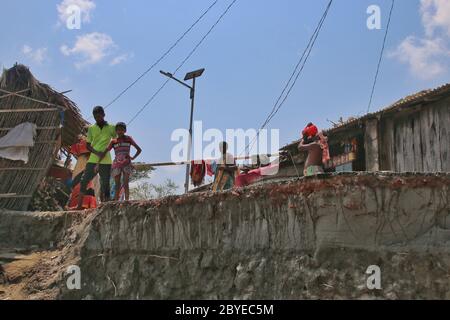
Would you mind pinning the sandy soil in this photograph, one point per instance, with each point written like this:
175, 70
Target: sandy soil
28, 276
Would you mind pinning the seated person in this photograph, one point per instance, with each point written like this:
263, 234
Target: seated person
224, 169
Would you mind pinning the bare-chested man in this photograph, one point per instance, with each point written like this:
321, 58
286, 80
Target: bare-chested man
317, 148
313, 164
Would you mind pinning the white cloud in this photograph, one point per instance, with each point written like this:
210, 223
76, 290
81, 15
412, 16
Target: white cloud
423, 56
435, 15
36, 55
92, 48
86, 7
428, 57
120, 59
26, 49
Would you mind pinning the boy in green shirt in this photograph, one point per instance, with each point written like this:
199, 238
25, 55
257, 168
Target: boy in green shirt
98, 138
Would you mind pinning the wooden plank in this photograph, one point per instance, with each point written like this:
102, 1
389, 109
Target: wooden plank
434, 140
371, 145
435, 111
399, 147
402, 143
384, 144
388, 144
409, 145
426, 154
444, 135
417, 143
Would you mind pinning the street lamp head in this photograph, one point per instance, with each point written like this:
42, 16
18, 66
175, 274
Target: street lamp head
167, 74
194, 74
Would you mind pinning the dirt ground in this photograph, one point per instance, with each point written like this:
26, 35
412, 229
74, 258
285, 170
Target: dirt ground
28, 276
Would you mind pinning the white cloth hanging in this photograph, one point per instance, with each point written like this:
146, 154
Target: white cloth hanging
16, 144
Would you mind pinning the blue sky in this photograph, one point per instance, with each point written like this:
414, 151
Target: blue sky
248, 58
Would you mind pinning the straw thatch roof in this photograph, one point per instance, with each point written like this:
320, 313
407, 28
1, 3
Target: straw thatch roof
37, 103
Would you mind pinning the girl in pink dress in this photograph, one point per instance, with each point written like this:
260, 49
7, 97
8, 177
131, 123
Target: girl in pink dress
122, 167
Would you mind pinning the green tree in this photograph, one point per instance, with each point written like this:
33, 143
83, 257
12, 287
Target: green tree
168, 188
141, 171
142, 189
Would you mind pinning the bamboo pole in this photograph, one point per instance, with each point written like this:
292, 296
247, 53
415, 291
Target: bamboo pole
13, 93
13, 195
164, 164
28, 110
32, 99
21, 169
38, 128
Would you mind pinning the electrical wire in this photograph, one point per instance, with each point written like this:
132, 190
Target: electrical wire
381, 57
184, 61
163, 55
293, 78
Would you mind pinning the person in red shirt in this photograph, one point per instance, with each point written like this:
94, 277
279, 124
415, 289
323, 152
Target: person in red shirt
122, 167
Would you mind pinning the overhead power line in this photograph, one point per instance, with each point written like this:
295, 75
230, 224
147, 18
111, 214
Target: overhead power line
163, 55
293, 78
381, 57
184, 61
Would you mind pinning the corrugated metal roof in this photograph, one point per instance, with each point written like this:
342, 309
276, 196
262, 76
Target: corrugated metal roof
411, 99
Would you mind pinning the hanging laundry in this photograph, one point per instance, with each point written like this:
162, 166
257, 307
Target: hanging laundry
198, 171
246, 179
209, 169
16, 144
323, 141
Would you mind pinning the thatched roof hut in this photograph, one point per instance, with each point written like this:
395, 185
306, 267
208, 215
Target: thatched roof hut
58, 121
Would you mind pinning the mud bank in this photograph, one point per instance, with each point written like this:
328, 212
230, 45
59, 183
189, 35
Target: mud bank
308, 239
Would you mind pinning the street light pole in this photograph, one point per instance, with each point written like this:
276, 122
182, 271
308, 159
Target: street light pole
188, 166
190, 75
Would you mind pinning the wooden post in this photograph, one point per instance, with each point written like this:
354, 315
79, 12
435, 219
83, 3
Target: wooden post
371, 145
